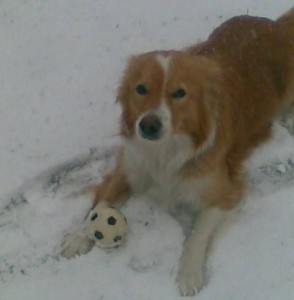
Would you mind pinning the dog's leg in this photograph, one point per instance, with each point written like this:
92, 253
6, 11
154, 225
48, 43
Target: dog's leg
112, 191
191, 270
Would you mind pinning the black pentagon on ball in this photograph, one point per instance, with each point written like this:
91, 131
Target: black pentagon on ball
117, 238
94, 217
111, 221
99, 235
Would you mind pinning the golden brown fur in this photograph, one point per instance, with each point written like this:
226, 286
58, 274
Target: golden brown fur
240, 78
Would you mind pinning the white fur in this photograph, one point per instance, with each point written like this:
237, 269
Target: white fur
191, 272
76, 242
154, 168
208, 143
164, 62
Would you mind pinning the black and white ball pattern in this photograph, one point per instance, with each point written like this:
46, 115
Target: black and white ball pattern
107, 227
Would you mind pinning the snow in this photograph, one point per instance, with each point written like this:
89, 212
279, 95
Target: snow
60, 65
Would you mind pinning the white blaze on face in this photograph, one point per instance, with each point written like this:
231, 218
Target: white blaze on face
162, 111
164, 62
165, 115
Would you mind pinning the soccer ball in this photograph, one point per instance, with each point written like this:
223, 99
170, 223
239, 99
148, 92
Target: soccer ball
107, 226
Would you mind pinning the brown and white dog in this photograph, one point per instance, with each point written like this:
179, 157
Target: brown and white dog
189, 120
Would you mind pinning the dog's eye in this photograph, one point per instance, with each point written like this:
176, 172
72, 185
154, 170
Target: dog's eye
141, 90
180, 93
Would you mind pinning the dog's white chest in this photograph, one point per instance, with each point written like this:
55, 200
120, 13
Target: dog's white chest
175, 193
155, 171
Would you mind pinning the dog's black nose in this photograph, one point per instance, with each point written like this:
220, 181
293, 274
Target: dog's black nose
150, 127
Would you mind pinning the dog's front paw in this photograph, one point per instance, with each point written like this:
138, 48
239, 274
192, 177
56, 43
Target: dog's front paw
75, 243
190, 279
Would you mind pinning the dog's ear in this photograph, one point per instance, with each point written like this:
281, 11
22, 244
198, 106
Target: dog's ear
212, 94
122, 97
213, 75
123, 89
212, 82
121, 93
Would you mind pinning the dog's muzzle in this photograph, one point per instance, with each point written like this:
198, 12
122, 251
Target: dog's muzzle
150, 127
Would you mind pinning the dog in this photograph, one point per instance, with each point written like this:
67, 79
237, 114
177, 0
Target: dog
190, 119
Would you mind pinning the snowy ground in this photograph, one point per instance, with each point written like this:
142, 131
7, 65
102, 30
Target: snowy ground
60, 65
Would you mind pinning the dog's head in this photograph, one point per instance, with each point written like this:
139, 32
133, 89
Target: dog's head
166, 94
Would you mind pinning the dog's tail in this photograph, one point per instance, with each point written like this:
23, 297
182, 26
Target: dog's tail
286, 24
287, 20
